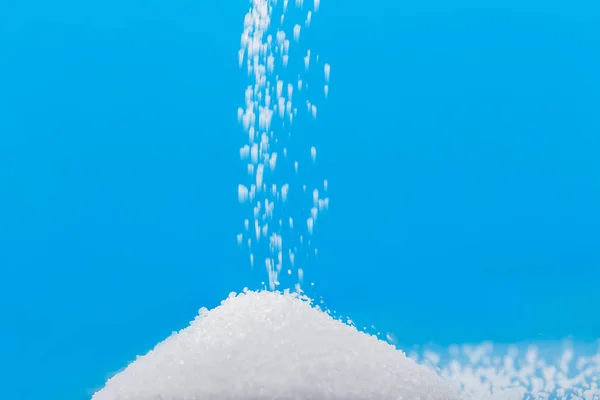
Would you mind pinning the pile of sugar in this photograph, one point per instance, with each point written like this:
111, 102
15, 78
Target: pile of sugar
271, 108
268, 345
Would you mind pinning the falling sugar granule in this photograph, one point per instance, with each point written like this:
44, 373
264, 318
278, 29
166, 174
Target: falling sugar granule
267, 345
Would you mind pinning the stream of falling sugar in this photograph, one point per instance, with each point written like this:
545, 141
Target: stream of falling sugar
272, 159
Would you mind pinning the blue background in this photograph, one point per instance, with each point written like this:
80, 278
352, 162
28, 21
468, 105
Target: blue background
460, 142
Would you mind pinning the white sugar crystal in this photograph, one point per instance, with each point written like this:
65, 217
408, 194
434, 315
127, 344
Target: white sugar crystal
270, 64
327, 69
240, 239
313, 153
244, 152
251, 134
391, 338
284, 192
296, 32
259, 175
241, 57
280, 38
273, 161
317, 3
254, 153
264, 144
257, 230
326, 90
308, 18
242, 193
310, 225
246, 121
307, 60
314, 111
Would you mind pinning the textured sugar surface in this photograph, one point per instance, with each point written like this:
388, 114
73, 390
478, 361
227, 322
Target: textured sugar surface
267, 345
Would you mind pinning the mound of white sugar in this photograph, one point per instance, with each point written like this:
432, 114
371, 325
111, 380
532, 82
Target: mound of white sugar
267, 345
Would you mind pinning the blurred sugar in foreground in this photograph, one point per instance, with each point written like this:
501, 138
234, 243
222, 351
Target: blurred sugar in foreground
269, 345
